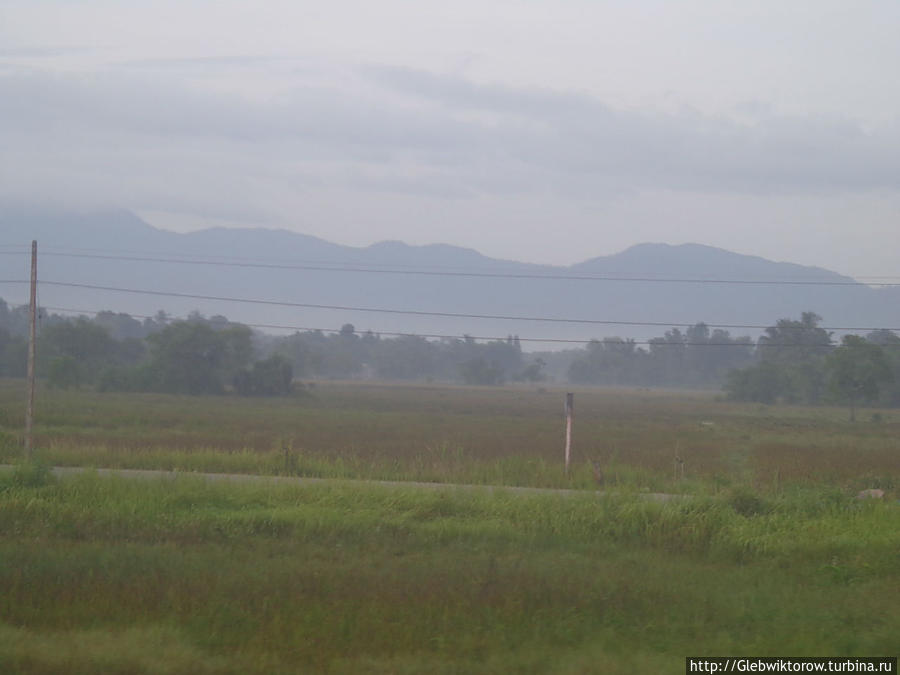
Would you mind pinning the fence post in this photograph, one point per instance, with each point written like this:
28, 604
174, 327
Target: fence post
570, 415
32, 338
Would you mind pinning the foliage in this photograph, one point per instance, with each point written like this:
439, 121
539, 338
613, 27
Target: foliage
763, 383
115, 352
72, 352
789, 341
798, 365
534, 371
31, 474
697, 358
143, 377
747, 503
192, 357
64, 373
481, 371
856, 371
270, 377
13, 354
791, 365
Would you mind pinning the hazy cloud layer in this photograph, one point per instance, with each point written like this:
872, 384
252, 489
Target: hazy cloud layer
546, 131
406, 130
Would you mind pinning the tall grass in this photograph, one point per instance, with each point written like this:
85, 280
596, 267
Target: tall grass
106, 574
504, 436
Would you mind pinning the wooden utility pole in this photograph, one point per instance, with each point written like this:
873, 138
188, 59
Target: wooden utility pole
570, 414
29, 408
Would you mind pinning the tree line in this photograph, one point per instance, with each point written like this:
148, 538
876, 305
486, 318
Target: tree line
211, 355
794, 361
696, 357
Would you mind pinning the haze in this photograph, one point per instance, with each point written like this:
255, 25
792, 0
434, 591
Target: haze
538, 131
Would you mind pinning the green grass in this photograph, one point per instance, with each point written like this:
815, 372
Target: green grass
502, 436
770, 555
190, 576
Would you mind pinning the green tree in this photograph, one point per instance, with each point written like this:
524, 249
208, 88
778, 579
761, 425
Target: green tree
121, 325
406, 357
798, 349
74, 352
273, 376
609, 361
890, 344
856, 371
480, 371
13, 355
192, 357
792, 341
762, 383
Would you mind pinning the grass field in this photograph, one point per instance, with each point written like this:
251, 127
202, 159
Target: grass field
772, 555
501, 436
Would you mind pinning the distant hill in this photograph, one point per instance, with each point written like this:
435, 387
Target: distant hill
653, 298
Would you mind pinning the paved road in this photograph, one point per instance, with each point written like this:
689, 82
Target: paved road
64, 471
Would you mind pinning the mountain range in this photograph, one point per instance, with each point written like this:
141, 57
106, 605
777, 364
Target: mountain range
664, 285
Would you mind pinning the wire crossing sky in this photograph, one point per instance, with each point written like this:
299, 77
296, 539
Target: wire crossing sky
410, 312
683, 342
341, 267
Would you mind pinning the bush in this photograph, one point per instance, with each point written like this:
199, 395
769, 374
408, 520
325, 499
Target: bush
747, 504
32, 474
8, 442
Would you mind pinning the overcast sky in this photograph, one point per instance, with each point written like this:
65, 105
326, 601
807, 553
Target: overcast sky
528, 129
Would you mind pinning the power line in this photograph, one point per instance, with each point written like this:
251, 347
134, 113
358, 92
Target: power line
372, 269
410, 312
338, 330
464, 336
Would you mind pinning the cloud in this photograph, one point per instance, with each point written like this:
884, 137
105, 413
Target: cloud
41, 52
154, 140
684, 150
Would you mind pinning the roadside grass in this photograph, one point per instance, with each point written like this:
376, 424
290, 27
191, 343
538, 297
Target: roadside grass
770, 554
104, 574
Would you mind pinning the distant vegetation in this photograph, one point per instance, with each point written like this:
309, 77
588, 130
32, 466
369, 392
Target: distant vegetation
795, 361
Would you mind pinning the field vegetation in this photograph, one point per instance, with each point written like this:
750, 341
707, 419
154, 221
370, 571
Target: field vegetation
499, 436
767, 552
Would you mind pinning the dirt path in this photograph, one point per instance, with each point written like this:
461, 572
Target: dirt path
151, 474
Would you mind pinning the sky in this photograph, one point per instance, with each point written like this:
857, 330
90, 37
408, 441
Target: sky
547, 132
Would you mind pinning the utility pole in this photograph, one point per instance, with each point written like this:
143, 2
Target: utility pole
29, 408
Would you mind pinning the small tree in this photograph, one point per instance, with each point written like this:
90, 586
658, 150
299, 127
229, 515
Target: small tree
270, 377
480, 371
856, 371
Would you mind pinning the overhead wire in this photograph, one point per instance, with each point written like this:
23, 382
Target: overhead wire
411, 312
455, 337
372, 269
